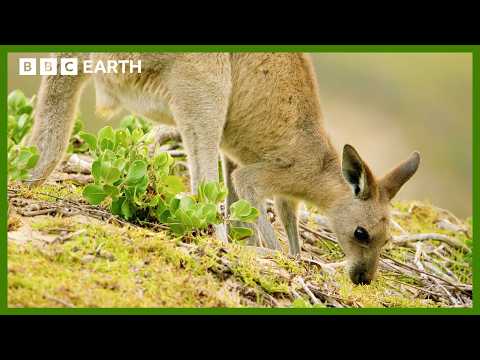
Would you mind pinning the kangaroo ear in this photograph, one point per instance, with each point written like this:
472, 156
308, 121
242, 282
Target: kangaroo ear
356, 173
395, 178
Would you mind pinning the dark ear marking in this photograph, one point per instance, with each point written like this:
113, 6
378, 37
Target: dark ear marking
356, 173
357, 190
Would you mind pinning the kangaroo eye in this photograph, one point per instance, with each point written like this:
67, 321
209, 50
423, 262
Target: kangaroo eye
361, 234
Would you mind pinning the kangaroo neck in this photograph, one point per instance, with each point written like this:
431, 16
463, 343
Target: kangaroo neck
326, 185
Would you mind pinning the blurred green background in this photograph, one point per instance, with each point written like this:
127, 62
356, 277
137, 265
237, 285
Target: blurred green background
386, 105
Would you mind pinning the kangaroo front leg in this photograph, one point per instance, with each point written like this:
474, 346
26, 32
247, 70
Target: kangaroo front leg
287, 211
199, 107
250, 186
201, 136
57, 103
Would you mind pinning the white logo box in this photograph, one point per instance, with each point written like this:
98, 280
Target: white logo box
47, 66
69, 66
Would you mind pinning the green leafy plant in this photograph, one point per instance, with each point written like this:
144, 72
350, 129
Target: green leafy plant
20, 115
132, 122
21, 159
141, 186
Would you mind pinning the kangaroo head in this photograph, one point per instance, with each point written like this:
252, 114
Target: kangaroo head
360, 219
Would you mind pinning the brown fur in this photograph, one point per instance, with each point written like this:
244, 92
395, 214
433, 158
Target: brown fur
262, 111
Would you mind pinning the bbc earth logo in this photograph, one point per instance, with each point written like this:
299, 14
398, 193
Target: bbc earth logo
70, 66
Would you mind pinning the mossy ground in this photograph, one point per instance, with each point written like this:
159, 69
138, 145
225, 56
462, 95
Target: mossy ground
77, 261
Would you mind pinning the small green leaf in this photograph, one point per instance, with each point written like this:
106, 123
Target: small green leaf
174, 184
184, 216
25, 158
94, 194
22, 120
126, 210
111, 175
154, 201
178, 228
106, 133
112, 191
78, 126
33, 158
97, 169
106, 144
240, 233
252, 216
162, 160
136, 172
212, 192
242, 210
174, 204
209, 213
116, 207
163, 214
120, 164
186, 203
137, 134
122, 138
90, 140
16, 99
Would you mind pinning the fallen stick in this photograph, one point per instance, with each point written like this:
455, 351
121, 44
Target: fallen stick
402, 240
308, 291
439, 269
398, 227
31, 213
334, 300
447, 260
415, 287
325, 235
330, 268
460, 287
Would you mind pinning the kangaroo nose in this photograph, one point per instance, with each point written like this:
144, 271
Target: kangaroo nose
360, 277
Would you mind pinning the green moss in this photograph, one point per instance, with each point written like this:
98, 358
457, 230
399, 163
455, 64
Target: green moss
245, 266
51, 192
377, 294
128, 268
105, 265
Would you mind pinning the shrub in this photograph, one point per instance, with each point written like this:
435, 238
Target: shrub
21, 159
141, 186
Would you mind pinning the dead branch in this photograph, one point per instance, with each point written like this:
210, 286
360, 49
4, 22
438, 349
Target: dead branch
402, 240
312, 297
460, 287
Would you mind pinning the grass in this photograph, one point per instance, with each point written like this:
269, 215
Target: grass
107, 265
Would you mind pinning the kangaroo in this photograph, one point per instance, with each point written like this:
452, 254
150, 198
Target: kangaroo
261, 112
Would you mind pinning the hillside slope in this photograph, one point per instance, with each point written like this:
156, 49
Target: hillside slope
63, 252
